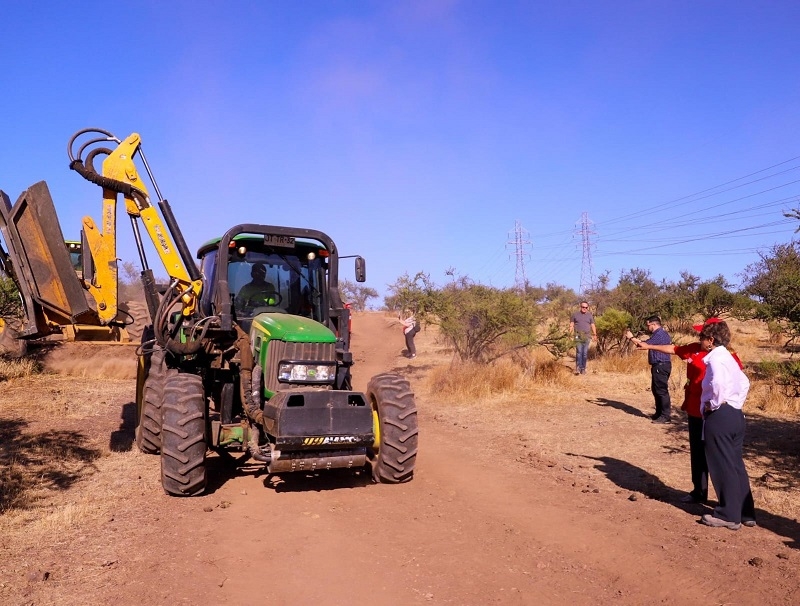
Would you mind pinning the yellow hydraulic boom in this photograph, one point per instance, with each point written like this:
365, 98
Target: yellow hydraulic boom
120, 176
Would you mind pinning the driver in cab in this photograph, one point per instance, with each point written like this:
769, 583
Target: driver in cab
258, 292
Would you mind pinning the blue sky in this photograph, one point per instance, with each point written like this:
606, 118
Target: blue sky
419, 134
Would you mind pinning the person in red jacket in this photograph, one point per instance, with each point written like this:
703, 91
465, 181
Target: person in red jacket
693, 353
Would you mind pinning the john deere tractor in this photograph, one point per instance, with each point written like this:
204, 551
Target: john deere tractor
247, 353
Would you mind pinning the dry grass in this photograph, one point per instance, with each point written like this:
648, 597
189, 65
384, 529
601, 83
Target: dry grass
504, 377
770, 398
54, 429
14, 369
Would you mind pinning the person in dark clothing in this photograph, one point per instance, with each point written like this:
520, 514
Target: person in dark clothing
660, 369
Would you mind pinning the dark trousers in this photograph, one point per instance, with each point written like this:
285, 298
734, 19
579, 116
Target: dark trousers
659, 385
697, 458
412, 350
724, 433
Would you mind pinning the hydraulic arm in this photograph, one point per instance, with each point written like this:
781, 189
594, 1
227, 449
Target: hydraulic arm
120, 176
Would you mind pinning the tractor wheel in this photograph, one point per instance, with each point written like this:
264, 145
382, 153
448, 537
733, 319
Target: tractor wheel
394, 414
183, 444
136, 318
151, 375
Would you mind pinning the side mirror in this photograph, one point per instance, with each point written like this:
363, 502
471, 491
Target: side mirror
361, 269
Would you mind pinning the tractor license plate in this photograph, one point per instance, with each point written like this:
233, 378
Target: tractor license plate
276, 240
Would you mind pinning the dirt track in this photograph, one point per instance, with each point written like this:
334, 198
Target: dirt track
484, 521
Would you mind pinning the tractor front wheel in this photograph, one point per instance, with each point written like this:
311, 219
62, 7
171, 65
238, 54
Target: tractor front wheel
394, 413
183, 444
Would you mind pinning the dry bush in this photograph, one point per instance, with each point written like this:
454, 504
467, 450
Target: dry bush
635, 361
525, 372
15, 369
770, 398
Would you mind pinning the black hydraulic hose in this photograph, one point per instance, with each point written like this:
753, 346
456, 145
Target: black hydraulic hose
252, 406
105, 182
167, 341
180, 243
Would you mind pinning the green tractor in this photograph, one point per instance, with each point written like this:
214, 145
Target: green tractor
264, 368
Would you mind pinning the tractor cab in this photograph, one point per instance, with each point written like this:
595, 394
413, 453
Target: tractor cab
256, 269
263, 280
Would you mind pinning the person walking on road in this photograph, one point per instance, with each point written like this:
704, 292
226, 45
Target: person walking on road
660, 369
582, 327
410, 330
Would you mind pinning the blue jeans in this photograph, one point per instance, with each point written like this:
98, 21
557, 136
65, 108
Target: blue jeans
581, 354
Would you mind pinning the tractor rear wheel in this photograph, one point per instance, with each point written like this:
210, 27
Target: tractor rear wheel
394, 413
183, 444
152, 373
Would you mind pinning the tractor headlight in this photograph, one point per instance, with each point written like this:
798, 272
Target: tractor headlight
294, 372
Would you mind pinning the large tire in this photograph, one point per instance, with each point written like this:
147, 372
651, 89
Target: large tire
150, 398
183, 444
136, 318
395, 417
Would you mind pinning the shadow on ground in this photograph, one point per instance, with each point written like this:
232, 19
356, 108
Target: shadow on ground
49, 460
621, 406
222, 467
122, 439
635, 479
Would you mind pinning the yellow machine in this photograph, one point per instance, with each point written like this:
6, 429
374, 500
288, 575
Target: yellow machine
66, 291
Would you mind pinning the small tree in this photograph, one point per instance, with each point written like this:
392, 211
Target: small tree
356, 295
130, 283
611, 327
714, 297
637, 294
775, 282
483, 323
410, 293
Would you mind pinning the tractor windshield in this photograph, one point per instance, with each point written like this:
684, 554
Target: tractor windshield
262, 282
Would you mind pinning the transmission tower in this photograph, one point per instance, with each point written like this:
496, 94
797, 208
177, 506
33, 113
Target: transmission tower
520, 241
587, 271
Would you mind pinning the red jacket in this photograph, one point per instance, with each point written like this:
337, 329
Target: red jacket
695, 371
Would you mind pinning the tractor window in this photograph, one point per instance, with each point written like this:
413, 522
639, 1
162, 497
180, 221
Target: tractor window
275, 283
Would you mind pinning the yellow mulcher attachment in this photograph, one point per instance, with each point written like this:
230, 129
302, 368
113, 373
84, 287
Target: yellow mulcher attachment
54, 300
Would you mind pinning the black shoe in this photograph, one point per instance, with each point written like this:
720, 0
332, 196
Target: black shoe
662, 420
693, 498
749, 522
654, 417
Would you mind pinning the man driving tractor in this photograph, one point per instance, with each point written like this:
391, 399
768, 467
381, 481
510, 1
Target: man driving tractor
258, 292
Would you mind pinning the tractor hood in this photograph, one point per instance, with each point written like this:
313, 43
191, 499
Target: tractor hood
293, 329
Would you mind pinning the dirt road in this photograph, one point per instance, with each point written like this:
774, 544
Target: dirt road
482, 523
